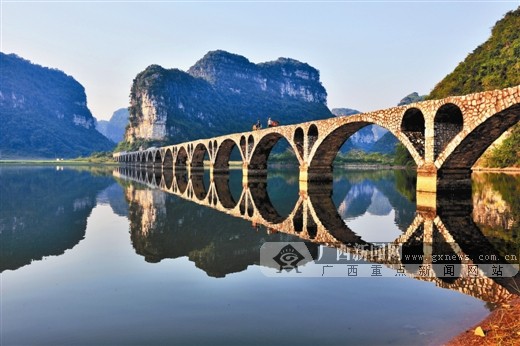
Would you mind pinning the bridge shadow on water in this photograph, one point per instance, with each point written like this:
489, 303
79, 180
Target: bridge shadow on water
431, 239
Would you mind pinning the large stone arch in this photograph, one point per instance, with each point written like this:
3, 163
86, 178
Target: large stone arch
197, 160
468, 147
260, 155
182, 158
312, 136
413, 126
299, 141
149, 158
168, 159
324, 154
447, 123
223, 154
157, 158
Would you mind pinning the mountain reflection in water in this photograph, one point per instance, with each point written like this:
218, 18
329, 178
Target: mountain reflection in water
274, 210
44, 211
163, 228
79, 252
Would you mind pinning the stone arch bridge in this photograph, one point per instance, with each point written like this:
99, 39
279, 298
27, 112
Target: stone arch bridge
445, 138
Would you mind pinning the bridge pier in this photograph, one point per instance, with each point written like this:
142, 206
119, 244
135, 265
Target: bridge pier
426, 189
218, 170
315, 174
249, 170
433, 183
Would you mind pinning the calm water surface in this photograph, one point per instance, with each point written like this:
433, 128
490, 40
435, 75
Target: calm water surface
88, 258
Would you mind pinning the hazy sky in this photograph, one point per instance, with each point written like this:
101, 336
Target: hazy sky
370, 53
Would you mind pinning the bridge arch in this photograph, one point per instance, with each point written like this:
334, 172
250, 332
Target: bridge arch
243, 147
150, 158
447, 123
223, 154
312, 136
197, 160
327, 150
157, 158
298, 139
413, 126
261, 151
182, 157
468, 147
168, 158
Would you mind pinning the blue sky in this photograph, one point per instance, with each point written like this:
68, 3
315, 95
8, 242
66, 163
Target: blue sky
370, 53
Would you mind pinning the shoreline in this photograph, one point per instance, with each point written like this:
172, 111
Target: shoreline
55, 163
235, 164
496, 170
500, 327
497, 325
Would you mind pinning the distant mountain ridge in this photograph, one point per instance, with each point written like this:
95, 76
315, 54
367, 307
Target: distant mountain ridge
411, 98
114, 129
221, 93
44, 113
365, 138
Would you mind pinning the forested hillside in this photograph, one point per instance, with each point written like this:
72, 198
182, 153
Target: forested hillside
493, 65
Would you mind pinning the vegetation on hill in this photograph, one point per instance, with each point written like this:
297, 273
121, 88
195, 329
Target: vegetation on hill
506, 154
402, 156
44, 113
493, 65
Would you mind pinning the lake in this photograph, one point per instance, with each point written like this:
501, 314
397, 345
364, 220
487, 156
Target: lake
109, 256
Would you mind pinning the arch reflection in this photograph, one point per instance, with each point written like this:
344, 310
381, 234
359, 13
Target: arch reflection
447, 235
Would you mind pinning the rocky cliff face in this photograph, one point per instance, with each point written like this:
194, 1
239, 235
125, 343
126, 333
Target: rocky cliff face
44, 113
222, 93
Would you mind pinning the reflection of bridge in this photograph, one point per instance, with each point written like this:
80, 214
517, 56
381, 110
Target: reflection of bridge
314, 218
445, 138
